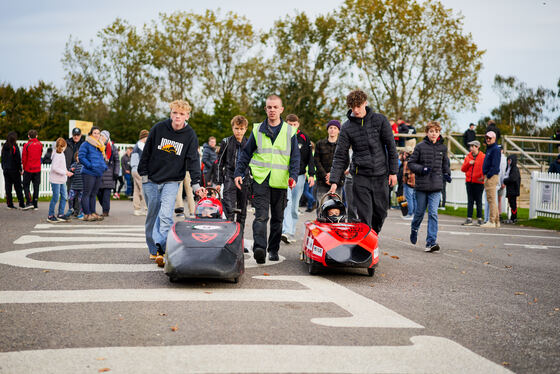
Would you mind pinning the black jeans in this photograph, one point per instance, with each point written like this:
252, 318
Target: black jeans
29, 178
104, 197
235, 198
91, 186
371, 198
266, 197
513, 206
13, 178
474, 194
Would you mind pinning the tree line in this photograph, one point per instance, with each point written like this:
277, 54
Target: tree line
413, 59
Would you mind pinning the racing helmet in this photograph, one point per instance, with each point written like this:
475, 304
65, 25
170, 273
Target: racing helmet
332, 202
209, 207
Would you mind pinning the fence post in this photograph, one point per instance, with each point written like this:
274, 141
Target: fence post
533, 200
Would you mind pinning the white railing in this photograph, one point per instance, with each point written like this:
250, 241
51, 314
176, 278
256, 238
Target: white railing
545, 195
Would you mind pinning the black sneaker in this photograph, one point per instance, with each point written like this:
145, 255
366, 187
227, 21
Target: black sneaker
28, 206
179, 210
11, 207
273, 256
413, 236
260, 255
432, 248
61, 218
468, 222
52, 219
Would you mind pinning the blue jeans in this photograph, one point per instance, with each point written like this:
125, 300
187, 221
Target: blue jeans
58, 190
308, 192
291, 211
428, 200
159, 218
410, 199
128, 179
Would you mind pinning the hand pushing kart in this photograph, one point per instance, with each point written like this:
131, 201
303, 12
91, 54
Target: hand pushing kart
207, 246
330, 242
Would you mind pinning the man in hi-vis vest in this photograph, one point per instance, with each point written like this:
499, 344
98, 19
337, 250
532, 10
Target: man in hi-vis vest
272, 154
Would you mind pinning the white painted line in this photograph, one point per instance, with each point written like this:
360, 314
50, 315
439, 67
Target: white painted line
20, 258
496, 234
458, 224
363, 312
532, 246
427, 354
47, 226
28, 239
119, 231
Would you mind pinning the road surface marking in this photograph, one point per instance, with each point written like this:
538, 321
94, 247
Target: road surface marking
28, 239
363, 312
532, 246
502, 228
427, 354
21, 258
480, 233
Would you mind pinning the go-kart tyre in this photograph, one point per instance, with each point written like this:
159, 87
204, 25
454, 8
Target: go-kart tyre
173, 279
370, 272
313, 267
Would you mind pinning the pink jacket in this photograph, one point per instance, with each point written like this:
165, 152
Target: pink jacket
58, 169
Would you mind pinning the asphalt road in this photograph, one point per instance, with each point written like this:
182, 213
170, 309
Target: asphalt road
84, 297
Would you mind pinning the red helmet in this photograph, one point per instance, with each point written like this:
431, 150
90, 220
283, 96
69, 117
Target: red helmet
209, 207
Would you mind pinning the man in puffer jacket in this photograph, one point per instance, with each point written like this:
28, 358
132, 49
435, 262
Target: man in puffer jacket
374, 160
430, 164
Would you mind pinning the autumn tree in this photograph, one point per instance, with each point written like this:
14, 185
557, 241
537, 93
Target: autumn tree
113, 80
306, 68
414, 59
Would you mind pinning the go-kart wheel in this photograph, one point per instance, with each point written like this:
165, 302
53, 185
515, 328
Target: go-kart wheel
313, 267
173, 279
370, 271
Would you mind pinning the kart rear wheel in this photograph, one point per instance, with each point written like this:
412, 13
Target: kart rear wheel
370, 272
313, 267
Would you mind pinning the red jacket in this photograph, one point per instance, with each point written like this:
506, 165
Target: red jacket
31, 156
473, 173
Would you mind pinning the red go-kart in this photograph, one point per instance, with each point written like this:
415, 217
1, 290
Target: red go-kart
330, 242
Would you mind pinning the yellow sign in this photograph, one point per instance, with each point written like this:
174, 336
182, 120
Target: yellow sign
84, 126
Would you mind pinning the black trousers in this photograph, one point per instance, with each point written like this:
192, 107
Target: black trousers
265, 198
29, 178
371, 199
104, 197
13, 179
513, 206
474, 195
235, 198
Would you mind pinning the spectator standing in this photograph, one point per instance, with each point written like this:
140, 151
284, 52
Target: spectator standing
501, 188
94, 160
555, 166
469, 135
31, 160
410, 142
374, 160
474, 181
403, 129
126, 170
57, 178
11, 168
170, 150
272, 154
556, 136
430, 163
76, 189
324, 152
138, 201
73, 144
512, 182
209, 157
395, 129
491, 171
409, 182
306, 167
110, 174
228, 155
47, 158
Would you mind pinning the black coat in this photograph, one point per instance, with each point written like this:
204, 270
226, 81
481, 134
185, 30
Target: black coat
113, 167
11, 158
468, 136
554, 166
513, 181
323, 159
373, 144
227, 159
71, 149
433, 156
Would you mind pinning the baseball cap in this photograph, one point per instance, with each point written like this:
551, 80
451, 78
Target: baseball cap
76, 131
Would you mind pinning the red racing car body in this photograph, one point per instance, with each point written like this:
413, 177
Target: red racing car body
340, 245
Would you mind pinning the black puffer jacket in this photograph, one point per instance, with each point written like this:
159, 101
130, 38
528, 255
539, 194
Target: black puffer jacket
113, 167
373, 145
324, 152
513, 181
227, 159
433, 156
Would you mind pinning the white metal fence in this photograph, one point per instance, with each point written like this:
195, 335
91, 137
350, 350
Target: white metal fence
544, 195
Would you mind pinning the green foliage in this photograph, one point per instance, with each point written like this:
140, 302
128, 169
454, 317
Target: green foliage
414, 58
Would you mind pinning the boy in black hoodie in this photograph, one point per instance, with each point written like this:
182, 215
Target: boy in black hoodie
512, 182
171, 149
227, 160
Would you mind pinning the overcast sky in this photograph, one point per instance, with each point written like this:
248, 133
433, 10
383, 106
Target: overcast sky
521, 37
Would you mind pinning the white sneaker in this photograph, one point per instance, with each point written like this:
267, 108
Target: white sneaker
488, 225
138, 213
